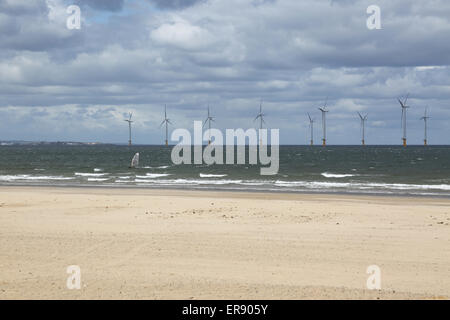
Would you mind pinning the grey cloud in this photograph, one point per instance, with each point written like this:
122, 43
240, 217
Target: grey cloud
229, 54
106, 5
11, 7
175, 4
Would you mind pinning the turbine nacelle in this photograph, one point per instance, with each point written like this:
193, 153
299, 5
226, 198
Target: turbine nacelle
363, 118
208, 118
403, 103
260, 115
129, 119
425, 117
166, 120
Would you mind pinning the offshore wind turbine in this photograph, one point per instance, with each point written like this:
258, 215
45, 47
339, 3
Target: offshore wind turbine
129, 127
209, 119
363, 127
166, 121
324, 123
260, 116
404, 107
425, 120
311, 126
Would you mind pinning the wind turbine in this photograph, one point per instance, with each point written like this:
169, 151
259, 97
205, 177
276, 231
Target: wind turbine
425, 119
166, 121
129, 127
311, 125
324, 124
209, 119
404, 107
260, 116
363, 126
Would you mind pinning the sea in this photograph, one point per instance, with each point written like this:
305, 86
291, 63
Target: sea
387, 170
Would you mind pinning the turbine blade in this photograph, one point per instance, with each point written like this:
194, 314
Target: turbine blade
406, 99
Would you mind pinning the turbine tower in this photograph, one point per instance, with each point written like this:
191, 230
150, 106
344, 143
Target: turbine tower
324, 123
129, 127
404, 107
311, 126
425, 120
260, 116
166, 121
209, 119
363, 127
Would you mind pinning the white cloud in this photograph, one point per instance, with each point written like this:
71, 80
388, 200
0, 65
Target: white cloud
181, 34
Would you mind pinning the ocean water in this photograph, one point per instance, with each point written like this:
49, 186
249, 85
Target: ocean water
415, 170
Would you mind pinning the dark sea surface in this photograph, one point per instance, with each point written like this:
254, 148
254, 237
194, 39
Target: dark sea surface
415, 170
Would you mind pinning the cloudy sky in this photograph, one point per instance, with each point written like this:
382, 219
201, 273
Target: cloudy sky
137, 55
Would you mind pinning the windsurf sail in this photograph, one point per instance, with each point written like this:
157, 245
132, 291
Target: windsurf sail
135, 161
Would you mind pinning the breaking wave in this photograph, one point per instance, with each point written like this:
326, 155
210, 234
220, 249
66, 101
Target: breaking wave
206, 175
336, 175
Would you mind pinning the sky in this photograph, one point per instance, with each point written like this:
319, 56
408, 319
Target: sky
61, 84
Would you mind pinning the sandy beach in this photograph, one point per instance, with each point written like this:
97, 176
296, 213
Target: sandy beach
174, 244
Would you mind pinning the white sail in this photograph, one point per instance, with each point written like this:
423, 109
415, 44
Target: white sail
135, 161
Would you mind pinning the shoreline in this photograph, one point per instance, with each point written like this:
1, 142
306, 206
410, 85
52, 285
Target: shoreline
232, 190
184, 244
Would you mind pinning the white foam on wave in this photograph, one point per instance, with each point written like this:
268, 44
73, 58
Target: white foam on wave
97, 179
28, 177
84, 174
189, 182
361, 185
291, 185
400, 186
160, 167
206, 175
98, 169
336, 175
153, 175
311, 184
